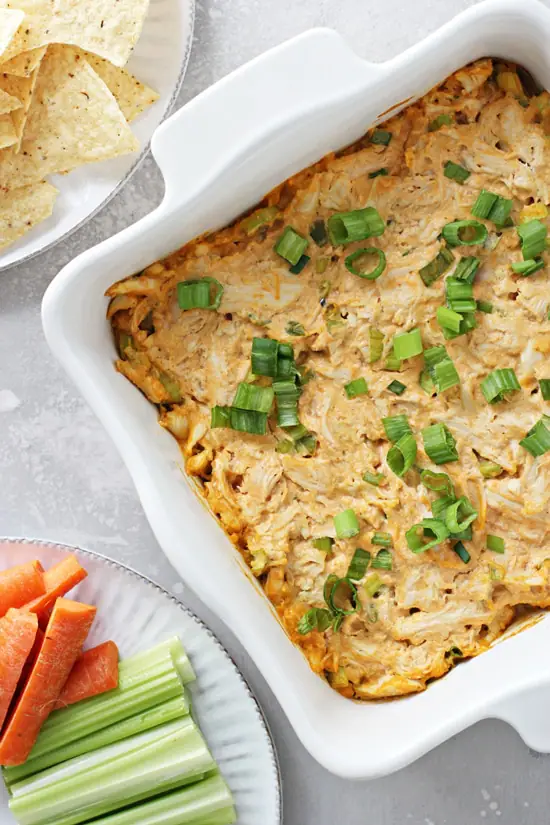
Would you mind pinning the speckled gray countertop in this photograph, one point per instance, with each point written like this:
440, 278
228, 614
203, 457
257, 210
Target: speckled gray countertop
61, 479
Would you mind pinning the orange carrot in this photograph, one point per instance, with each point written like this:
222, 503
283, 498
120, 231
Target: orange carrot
65, 636
32, 657
17, 634
58, 581
95, 672
21, 584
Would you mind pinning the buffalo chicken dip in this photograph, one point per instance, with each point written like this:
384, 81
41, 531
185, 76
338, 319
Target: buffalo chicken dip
358, 375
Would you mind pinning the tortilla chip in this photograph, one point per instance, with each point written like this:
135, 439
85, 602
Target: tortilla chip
109, 28
131, 95
7, 101
73, 120
22, 88
23, 208
8, 135
25, 63
10, 21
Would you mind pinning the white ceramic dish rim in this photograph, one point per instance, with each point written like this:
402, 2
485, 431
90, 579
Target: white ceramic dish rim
276, 115
137, 163
189, 613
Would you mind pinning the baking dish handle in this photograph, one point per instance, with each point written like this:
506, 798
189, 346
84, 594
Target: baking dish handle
272, 90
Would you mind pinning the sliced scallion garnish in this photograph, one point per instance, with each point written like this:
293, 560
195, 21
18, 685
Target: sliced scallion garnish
537, 440
544, 384
318, 232
528, 267
407, 344
376, 345
360, 254
343, 597
426, 382
500, 213
396, 387
251, 397
375, 479
220, 417
347, 227
392, 364
438, 482
465, 233
426, 534
301, 263
357, 387
248, 421
381, 137
358, 564
379, 173
485, 306
466, 269
495, 543
372, 585
439, 121
323, 543
468, 323
459, 515
264, 356
316, 618
441, 368
498, 384
435, 269
291, 245
440, 505
346, 524
456, 172
533, 238
200, 293
461, 552
489, 469
396, 426
382, 539
439, 444
383, 560
294, 328
402, 455
484, 203
259, 218
448, 319
460, 295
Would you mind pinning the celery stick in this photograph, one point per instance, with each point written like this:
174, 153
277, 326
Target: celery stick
203, 803
152, 718
174, 647
113, 777
143, 691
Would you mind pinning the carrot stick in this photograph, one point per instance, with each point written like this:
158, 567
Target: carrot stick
65, 635
18, 585
17, 635
32, 657
58, 581
95, 672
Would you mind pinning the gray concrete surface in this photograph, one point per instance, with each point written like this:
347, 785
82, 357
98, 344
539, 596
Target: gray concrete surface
60, 477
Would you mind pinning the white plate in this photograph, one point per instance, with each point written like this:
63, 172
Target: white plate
137, 614
160, 60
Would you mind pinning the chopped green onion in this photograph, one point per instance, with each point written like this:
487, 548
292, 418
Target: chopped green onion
495, 543
316, 618
248, 421
307, 445
438, 482
291, 245
544, 384
456, 172
498, 384
200, 293
380, 136
392, 364
465, 233
426, 382
379, 173
396, 426
170, 385
357, 387
485, 306
463, 535
407, 344
445, 376
285, 446
459, 515
484, 203
382, 539
383, 560
220, 416
372, 585
375, 479
537, 440
448, 319
396, 387
376, 345
460, 295
489, 469
346, 524
259, 218
294, 328
297, 267
297, 433
440, 505
369, 274
468, 323
287, 395
347, 227
439, 121
461, 552
321, 265
432, 529
318, 232
264, 356
251, 397
343, 597
435, 269
533, 238
500, 213
529, 267
358, 564
466, 269
324, 543
439, 444
402, 455
435, 355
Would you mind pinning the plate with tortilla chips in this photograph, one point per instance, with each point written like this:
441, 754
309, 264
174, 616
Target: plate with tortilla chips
83, 85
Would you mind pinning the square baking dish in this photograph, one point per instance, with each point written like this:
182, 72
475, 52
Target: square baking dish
219, 155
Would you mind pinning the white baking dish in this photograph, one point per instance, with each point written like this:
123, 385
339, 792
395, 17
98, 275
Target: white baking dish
219, 155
